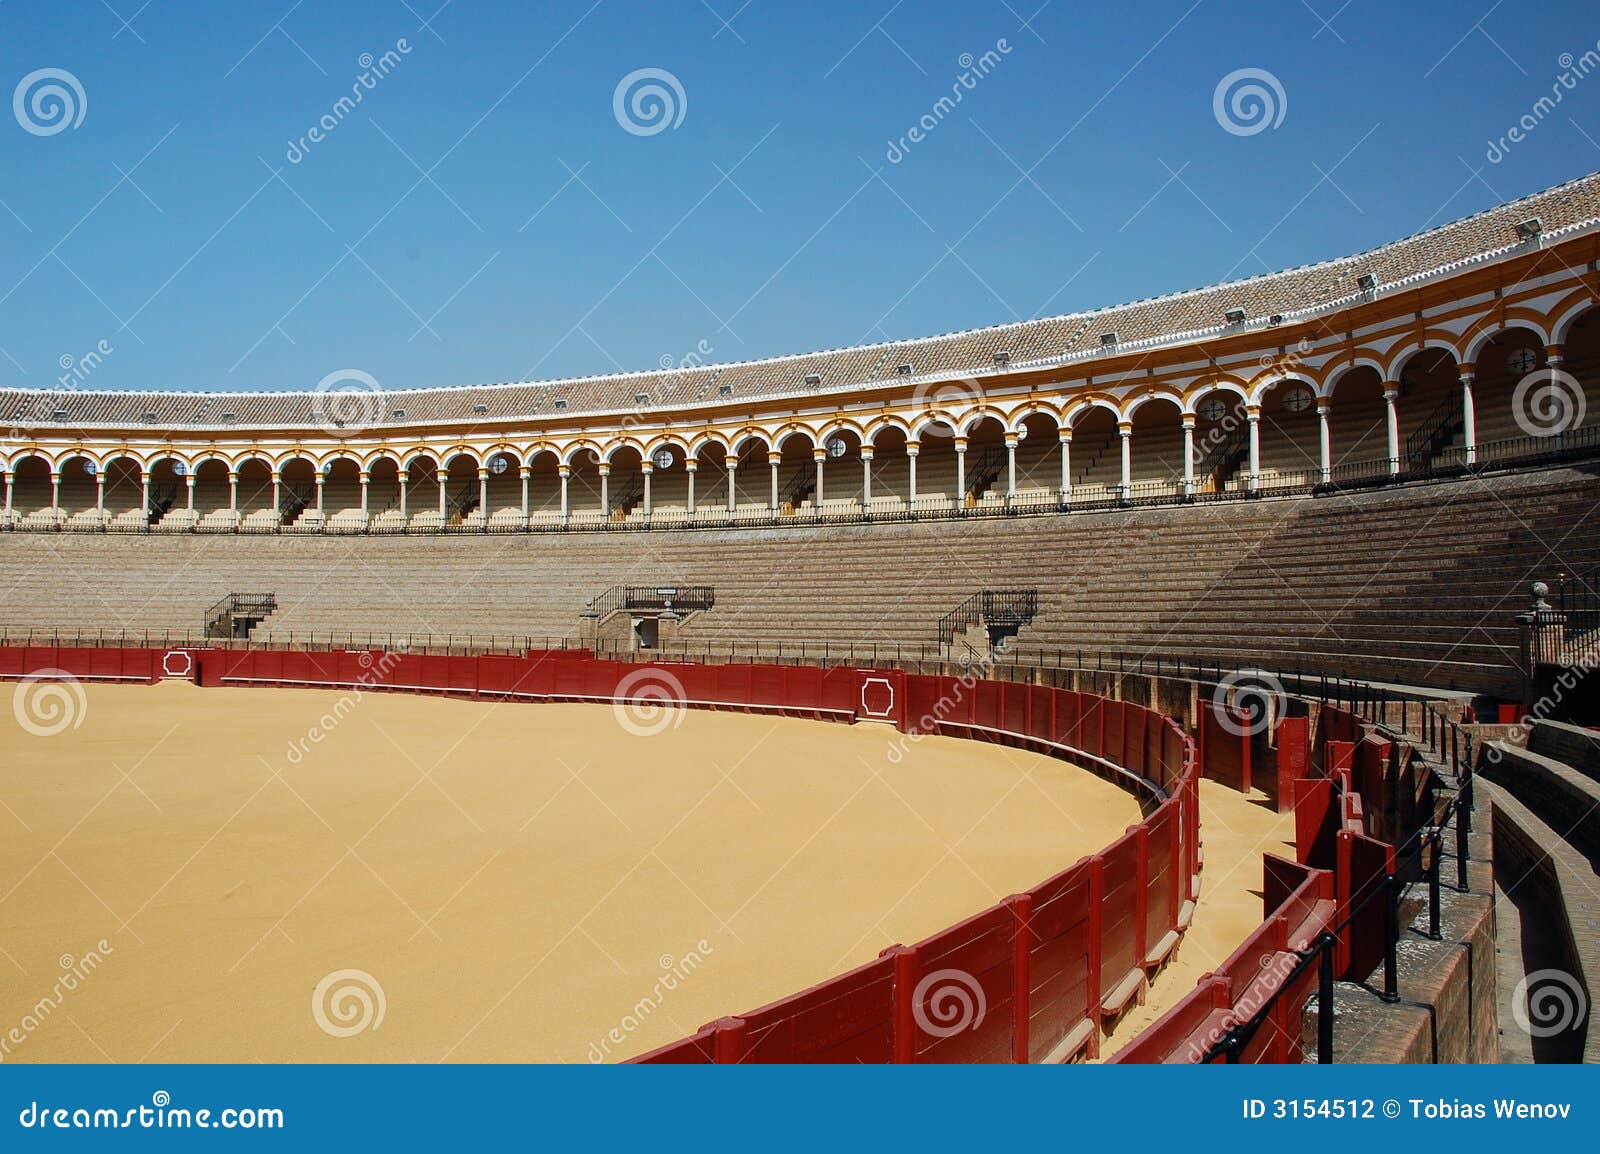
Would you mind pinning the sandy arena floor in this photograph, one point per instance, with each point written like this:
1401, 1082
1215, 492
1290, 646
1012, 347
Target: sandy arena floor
519, 880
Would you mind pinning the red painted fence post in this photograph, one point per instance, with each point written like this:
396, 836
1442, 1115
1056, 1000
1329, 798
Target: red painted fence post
728, 1045
905, 1020
1021, 980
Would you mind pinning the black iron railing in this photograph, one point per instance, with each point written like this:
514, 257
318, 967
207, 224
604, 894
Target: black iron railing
653, 598
1434, 432
247, 609
1008, 608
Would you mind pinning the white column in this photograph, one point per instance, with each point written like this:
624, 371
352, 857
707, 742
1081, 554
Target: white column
1391, 393
233, 496
732, 464
1469, 416
483, 494
866, 478
1011, 468
443, 481
1065, 436
649, 471
773, 457
366, 481
1324, 406
961, 472
320, 480
1125, 431
1253, 415
913, 448
277, 496
1188, 454
691, 466
55, 496
523, 473
144, 484
605, 491
189, 480
405, 479
820, 456
5, 478
565, 473
1553, 360
100, 495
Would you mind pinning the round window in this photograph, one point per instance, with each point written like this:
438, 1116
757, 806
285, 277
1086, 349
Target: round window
836, 447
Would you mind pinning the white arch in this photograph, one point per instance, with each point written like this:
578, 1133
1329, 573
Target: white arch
1325, 391
1391, 371
1563, 325
1475, 346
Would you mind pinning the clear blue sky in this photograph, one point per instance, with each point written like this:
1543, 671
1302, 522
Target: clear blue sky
1086, 168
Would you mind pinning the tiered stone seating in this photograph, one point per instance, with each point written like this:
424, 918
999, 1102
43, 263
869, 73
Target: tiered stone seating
1417, 584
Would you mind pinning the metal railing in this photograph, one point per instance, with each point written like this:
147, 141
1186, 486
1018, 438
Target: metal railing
1493, 456
1004, 607
656, 598
1418, 860
252, 607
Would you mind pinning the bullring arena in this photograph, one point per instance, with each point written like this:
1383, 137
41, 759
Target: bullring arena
1199, 679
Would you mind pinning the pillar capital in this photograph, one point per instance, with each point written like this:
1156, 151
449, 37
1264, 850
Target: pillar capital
913, 448
1324, 406
1124, 429
866, 452
1064, 434
961, 444
1466, 370
1189, 421
1252, 413
603, 469
646, 467
563, 471
1553, 355
403, 476
774, 457
819, 455
524, 471
731, 462
691, 464
1391, 390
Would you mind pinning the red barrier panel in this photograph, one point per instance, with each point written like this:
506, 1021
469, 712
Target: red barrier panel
1362, 864
1294, 757
1064, 964
1121, 922
1160, 884
846, 1019
695, 1050
964, 990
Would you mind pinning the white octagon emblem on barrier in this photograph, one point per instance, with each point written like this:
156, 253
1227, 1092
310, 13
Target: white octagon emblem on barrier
177, 663
888, 687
